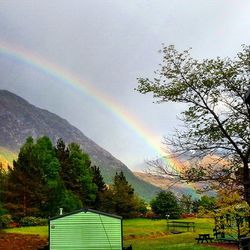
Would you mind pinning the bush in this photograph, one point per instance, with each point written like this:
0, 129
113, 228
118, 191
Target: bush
33, 221
187, 215
150, 215
5, 220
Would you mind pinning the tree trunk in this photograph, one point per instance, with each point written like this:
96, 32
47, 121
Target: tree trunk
24, 205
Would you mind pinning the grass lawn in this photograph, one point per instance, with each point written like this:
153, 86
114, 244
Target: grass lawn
149, 234
39, 230
145, 234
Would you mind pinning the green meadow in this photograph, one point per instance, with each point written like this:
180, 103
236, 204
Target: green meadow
149, 234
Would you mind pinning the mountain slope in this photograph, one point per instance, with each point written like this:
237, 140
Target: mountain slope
167, 184
6, 157
20, 119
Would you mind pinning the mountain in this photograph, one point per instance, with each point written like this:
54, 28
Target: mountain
167, 184
20, 119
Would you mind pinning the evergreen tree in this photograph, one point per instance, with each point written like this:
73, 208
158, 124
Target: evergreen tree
101, 186
124, 199
81, 176
76, 173
62, 154
2, 186
34, 180
107, 202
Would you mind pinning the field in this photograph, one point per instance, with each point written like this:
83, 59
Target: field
149, 234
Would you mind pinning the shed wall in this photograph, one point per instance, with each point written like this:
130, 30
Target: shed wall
85, 230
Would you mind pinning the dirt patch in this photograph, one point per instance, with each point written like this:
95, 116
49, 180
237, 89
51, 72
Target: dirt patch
21, 242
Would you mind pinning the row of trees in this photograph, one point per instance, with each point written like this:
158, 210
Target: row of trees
45, 178
167, 205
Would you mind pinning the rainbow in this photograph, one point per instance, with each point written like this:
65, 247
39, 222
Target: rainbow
67, 78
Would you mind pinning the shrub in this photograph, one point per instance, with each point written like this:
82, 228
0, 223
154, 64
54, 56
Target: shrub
187, 215
13, 224
33, 221
150, 215
5, 220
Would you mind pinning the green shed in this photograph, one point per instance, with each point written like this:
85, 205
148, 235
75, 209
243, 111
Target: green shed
85, 229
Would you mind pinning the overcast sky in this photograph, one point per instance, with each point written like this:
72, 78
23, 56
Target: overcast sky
108, 44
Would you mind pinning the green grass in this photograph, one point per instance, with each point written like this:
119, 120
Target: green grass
39, 230
145, 234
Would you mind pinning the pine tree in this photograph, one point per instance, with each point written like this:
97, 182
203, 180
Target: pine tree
76, 173
101, 186
2, 187
33, 181
124, 198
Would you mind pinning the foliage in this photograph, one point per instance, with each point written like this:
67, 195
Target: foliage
165, 203
216, 118
33, 221
204, 206
45, 178
186, 203
101, 186
142, 207
70, 202
231, 210
208, 202
229, 198
33, 179
120, 198
2, 185
204, 213
5, 220
76, 172
125, 201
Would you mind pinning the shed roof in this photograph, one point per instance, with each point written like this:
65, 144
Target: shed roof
86, 210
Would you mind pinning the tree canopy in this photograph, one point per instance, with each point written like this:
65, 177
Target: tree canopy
45, 178
216, 119
166, 204
32, 182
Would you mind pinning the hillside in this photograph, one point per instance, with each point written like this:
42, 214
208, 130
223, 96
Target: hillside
6, 157
20, 119
167, 184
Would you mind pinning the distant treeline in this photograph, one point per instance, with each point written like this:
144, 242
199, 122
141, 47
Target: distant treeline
45, 178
